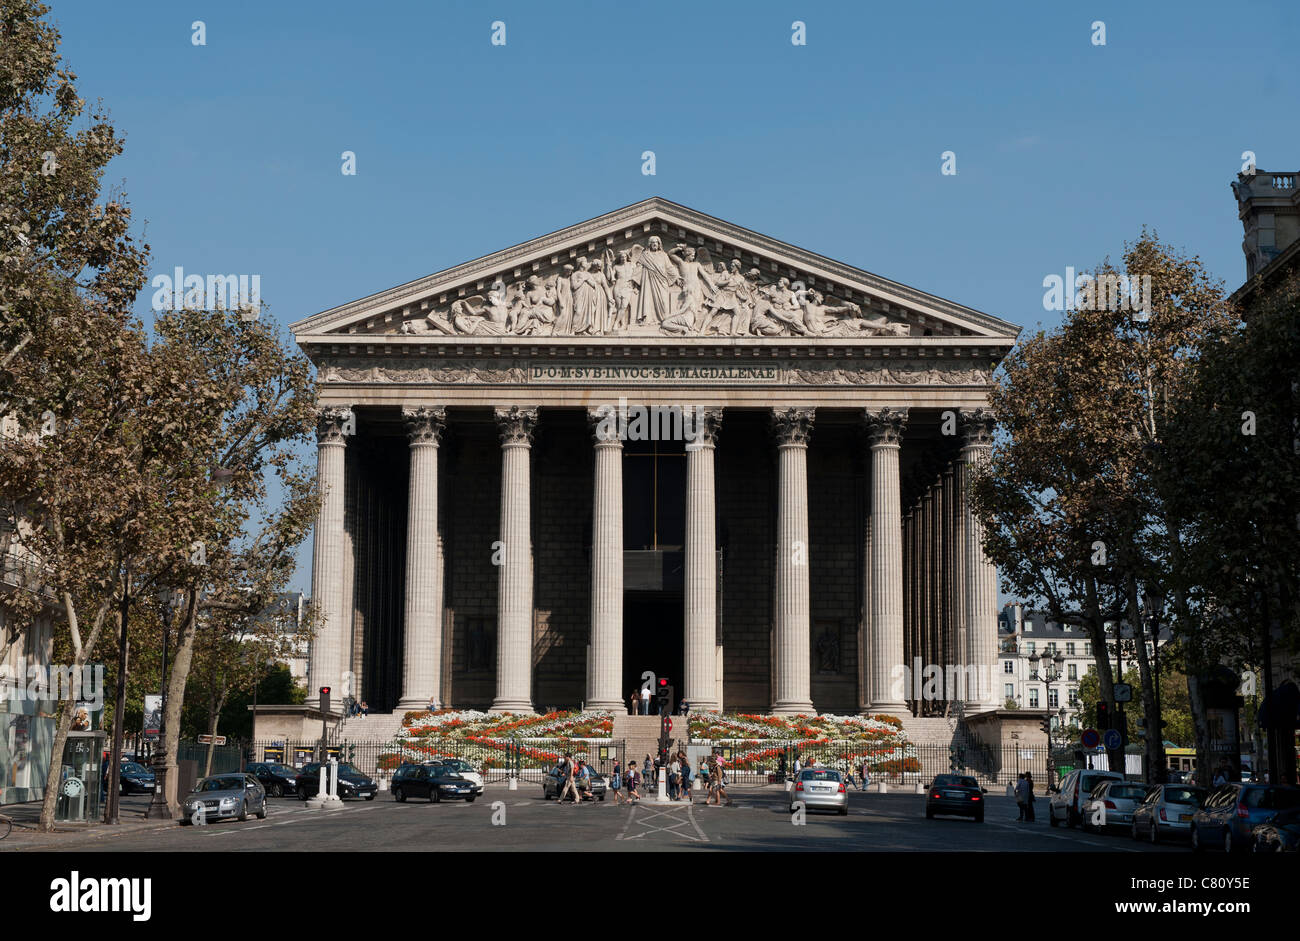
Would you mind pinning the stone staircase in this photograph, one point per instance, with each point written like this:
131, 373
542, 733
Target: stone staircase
378, 728
641, 733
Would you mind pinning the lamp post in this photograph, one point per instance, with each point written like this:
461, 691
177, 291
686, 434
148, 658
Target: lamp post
158, 800
1052, 673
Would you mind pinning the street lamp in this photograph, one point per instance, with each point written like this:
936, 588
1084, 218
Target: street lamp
168, 599
1052, 673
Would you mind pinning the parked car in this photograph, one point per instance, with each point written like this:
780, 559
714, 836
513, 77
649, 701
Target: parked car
435, 782
1280, 833
134, 778
465, 770
1167, 812
1066, 803
352, 783
955, 794
1231, 813
820, 789
278, 779
1111, 804
224, 797
552, 783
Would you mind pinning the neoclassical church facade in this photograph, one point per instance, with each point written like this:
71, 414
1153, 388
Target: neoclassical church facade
653, 441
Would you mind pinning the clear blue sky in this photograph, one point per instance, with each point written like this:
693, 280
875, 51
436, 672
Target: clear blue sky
1064, 149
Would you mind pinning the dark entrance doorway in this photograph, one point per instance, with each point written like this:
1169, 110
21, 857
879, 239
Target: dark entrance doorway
652, 638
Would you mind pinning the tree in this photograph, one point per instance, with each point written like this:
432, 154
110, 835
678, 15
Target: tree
1072, 514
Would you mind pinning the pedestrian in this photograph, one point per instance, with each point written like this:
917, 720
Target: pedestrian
365, 708
685, 778
1029, 797
567, 778
798, 766
631, 703
633, 783
648, 772
718, 777
433, 704
865, 777
704, 776
684, 708
674, 778
616, 782
1220, 778
1020, 796
583, 775
848, 773
645, 700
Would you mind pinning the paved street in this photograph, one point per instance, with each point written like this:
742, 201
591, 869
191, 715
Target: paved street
758, 821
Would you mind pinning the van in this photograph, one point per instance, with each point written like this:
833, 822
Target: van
1066, 804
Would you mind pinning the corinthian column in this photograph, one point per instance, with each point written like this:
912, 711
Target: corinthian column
981, 577
333, 425
701, 614
605, 654
515, 564
885, 430
422, 649
793, 428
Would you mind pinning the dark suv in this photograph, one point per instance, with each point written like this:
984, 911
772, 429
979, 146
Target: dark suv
1231, 812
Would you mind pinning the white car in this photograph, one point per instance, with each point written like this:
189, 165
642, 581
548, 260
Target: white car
1112, 803
1066, 804
462, 768
1167, 812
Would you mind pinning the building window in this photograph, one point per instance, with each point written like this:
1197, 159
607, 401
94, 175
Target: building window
1087, 648
1053, 698
1008, 666
1030, 647
1069, 649
1033, 699
1072, 671
1074, 696
1010, 691
1051, 648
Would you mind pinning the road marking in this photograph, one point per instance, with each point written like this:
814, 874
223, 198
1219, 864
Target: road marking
674, 828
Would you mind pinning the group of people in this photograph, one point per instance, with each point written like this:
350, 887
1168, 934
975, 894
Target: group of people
1025, 797
355, 708
575, 779
679, 776
642, 703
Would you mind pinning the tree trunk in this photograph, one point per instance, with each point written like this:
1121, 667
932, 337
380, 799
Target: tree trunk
215, 705
81, 654
1153, 745
180, 671
114, 790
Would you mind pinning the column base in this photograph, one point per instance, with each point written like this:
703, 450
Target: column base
703, 705
898, 709
608, 705
415, 705
516, 706
792, 709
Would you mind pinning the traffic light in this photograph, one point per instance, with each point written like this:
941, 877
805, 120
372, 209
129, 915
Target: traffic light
1046, 725
955, 758
1103, 715
324, 699
665, 696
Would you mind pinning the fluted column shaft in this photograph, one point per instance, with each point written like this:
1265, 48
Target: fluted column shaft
885, 428
422, 644
327, 569
515, 568
793, 692
701, 595
981, 574
606, 651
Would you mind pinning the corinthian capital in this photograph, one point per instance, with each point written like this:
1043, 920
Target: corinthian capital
977, 427
701, 424
334, 424
424, 425
515, 424
793, 426
885, 425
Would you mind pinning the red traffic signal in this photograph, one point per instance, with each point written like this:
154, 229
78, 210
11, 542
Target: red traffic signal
662, 683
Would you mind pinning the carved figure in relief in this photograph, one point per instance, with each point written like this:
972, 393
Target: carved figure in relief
658, 277
537, 318
564, 302
731, 309
688, 314
816, 319
590, 299
624, 275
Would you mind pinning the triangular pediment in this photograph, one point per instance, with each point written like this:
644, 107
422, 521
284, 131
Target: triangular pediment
652, 270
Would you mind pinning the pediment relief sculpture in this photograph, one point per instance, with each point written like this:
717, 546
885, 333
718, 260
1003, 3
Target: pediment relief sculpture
647, 290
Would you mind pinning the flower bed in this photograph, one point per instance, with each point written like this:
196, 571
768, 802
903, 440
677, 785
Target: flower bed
759, 742
496, 740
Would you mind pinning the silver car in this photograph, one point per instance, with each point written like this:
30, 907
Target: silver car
224, 797
820, 789
1167, 812
1112, 803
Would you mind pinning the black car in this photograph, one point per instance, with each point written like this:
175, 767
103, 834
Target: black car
553, 784
352, 783
1279, 834
134, 778
278, 779
955, 794
434, 782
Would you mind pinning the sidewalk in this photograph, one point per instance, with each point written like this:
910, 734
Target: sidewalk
26, 818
